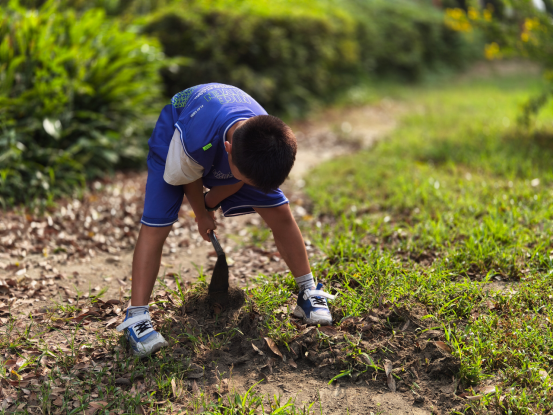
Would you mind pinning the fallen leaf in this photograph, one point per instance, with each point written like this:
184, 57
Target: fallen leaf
273, 347
430, 334
174, 387
388, 367
112, 321
487, 390
58, 401
257, 350
98, 404
441, 345
391, 382
328, 330
474, 397
543, 374
292, 363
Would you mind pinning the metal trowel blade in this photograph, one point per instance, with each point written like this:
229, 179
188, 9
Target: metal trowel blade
220, 277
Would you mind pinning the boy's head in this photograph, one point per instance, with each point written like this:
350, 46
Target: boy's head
262, 152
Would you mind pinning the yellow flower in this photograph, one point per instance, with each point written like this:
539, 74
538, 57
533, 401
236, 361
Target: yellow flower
488, 15
492, 51
473, 13
525, 36
455, 14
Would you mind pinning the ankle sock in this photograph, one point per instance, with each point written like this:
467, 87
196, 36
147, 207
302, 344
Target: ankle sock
305, 281
137, 310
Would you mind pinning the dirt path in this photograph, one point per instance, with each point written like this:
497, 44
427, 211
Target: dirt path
83, 248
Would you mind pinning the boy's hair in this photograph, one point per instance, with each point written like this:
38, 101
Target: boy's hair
264, 150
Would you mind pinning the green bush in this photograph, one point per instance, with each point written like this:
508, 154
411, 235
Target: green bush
291, 54
285, 59
74, 90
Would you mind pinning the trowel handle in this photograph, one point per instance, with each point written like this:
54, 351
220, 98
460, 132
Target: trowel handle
216, 244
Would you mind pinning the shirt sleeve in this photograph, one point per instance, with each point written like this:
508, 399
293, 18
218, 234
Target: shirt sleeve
179, 168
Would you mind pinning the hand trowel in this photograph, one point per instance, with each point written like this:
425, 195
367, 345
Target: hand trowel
219, 279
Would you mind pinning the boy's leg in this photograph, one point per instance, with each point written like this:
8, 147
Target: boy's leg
288, 238
312, 306
146, 262
138, 327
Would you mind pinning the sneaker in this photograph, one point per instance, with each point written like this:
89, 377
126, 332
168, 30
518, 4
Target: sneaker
140, 334
312, 307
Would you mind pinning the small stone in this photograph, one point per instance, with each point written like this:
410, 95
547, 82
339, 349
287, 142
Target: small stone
123, 381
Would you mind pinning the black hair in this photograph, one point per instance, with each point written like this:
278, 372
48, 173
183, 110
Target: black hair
264, 150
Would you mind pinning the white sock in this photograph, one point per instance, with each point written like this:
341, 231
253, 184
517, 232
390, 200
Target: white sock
305, 281
137, 310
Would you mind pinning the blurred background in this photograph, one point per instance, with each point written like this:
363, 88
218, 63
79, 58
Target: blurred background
82, 82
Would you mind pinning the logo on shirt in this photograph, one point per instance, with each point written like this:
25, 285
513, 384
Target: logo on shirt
220, 175
181, 98
195, 112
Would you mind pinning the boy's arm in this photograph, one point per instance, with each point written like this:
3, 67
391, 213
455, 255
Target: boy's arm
220, 193
195, 194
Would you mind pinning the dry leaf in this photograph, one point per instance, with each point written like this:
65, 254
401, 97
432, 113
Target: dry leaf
98, 404
257, 350
111, 322
174, 387
292, 363
273, 347
441, 345
122, 381
391, 382
140, 410
58, 401
543, 374
474, 397
388, 367
487, 390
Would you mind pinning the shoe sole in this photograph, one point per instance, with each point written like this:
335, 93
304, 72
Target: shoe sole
155, 348
298, 312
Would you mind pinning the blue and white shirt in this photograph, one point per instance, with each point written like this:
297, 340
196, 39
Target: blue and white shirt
200, 118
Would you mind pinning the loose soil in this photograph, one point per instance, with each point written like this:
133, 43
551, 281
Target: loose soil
82, 249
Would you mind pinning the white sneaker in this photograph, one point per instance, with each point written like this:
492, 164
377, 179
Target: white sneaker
141, 335
312, 307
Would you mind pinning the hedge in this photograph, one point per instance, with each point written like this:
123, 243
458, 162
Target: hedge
289, 55
73, 93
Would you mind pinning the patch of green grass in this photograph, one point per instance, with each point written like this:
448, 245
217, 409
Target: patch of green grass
457, 198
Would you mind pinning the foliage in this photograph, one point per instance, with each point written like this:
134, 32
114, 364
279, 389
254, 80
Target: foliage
290, 55
73, 93
449, 204
523, 31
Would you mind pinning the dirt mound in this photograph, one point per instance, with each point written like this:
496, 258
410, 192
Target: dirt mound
234, 342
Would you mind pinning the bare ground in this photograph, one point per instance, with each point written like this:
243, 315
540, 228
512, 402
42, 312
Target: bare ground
82, 248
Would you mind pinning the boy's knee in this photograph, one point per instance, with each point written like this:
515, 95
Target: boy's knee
154, 233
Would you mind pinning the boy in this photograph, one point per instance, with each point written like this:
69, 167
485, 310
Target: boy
217, 136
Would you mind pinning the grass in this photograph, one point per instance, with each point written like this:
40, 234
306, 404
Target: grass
452, 213
456, 199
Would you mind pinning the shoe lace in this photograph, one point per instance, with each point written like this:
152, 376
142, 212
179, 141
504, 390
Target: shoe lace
142, 326
319, 301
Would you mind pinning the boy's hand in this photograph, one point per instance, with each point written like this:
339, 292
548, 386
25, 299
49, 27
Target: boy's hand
206, 222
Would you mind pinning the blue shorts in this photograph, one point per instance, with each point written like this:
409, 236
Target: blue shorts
163, 201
